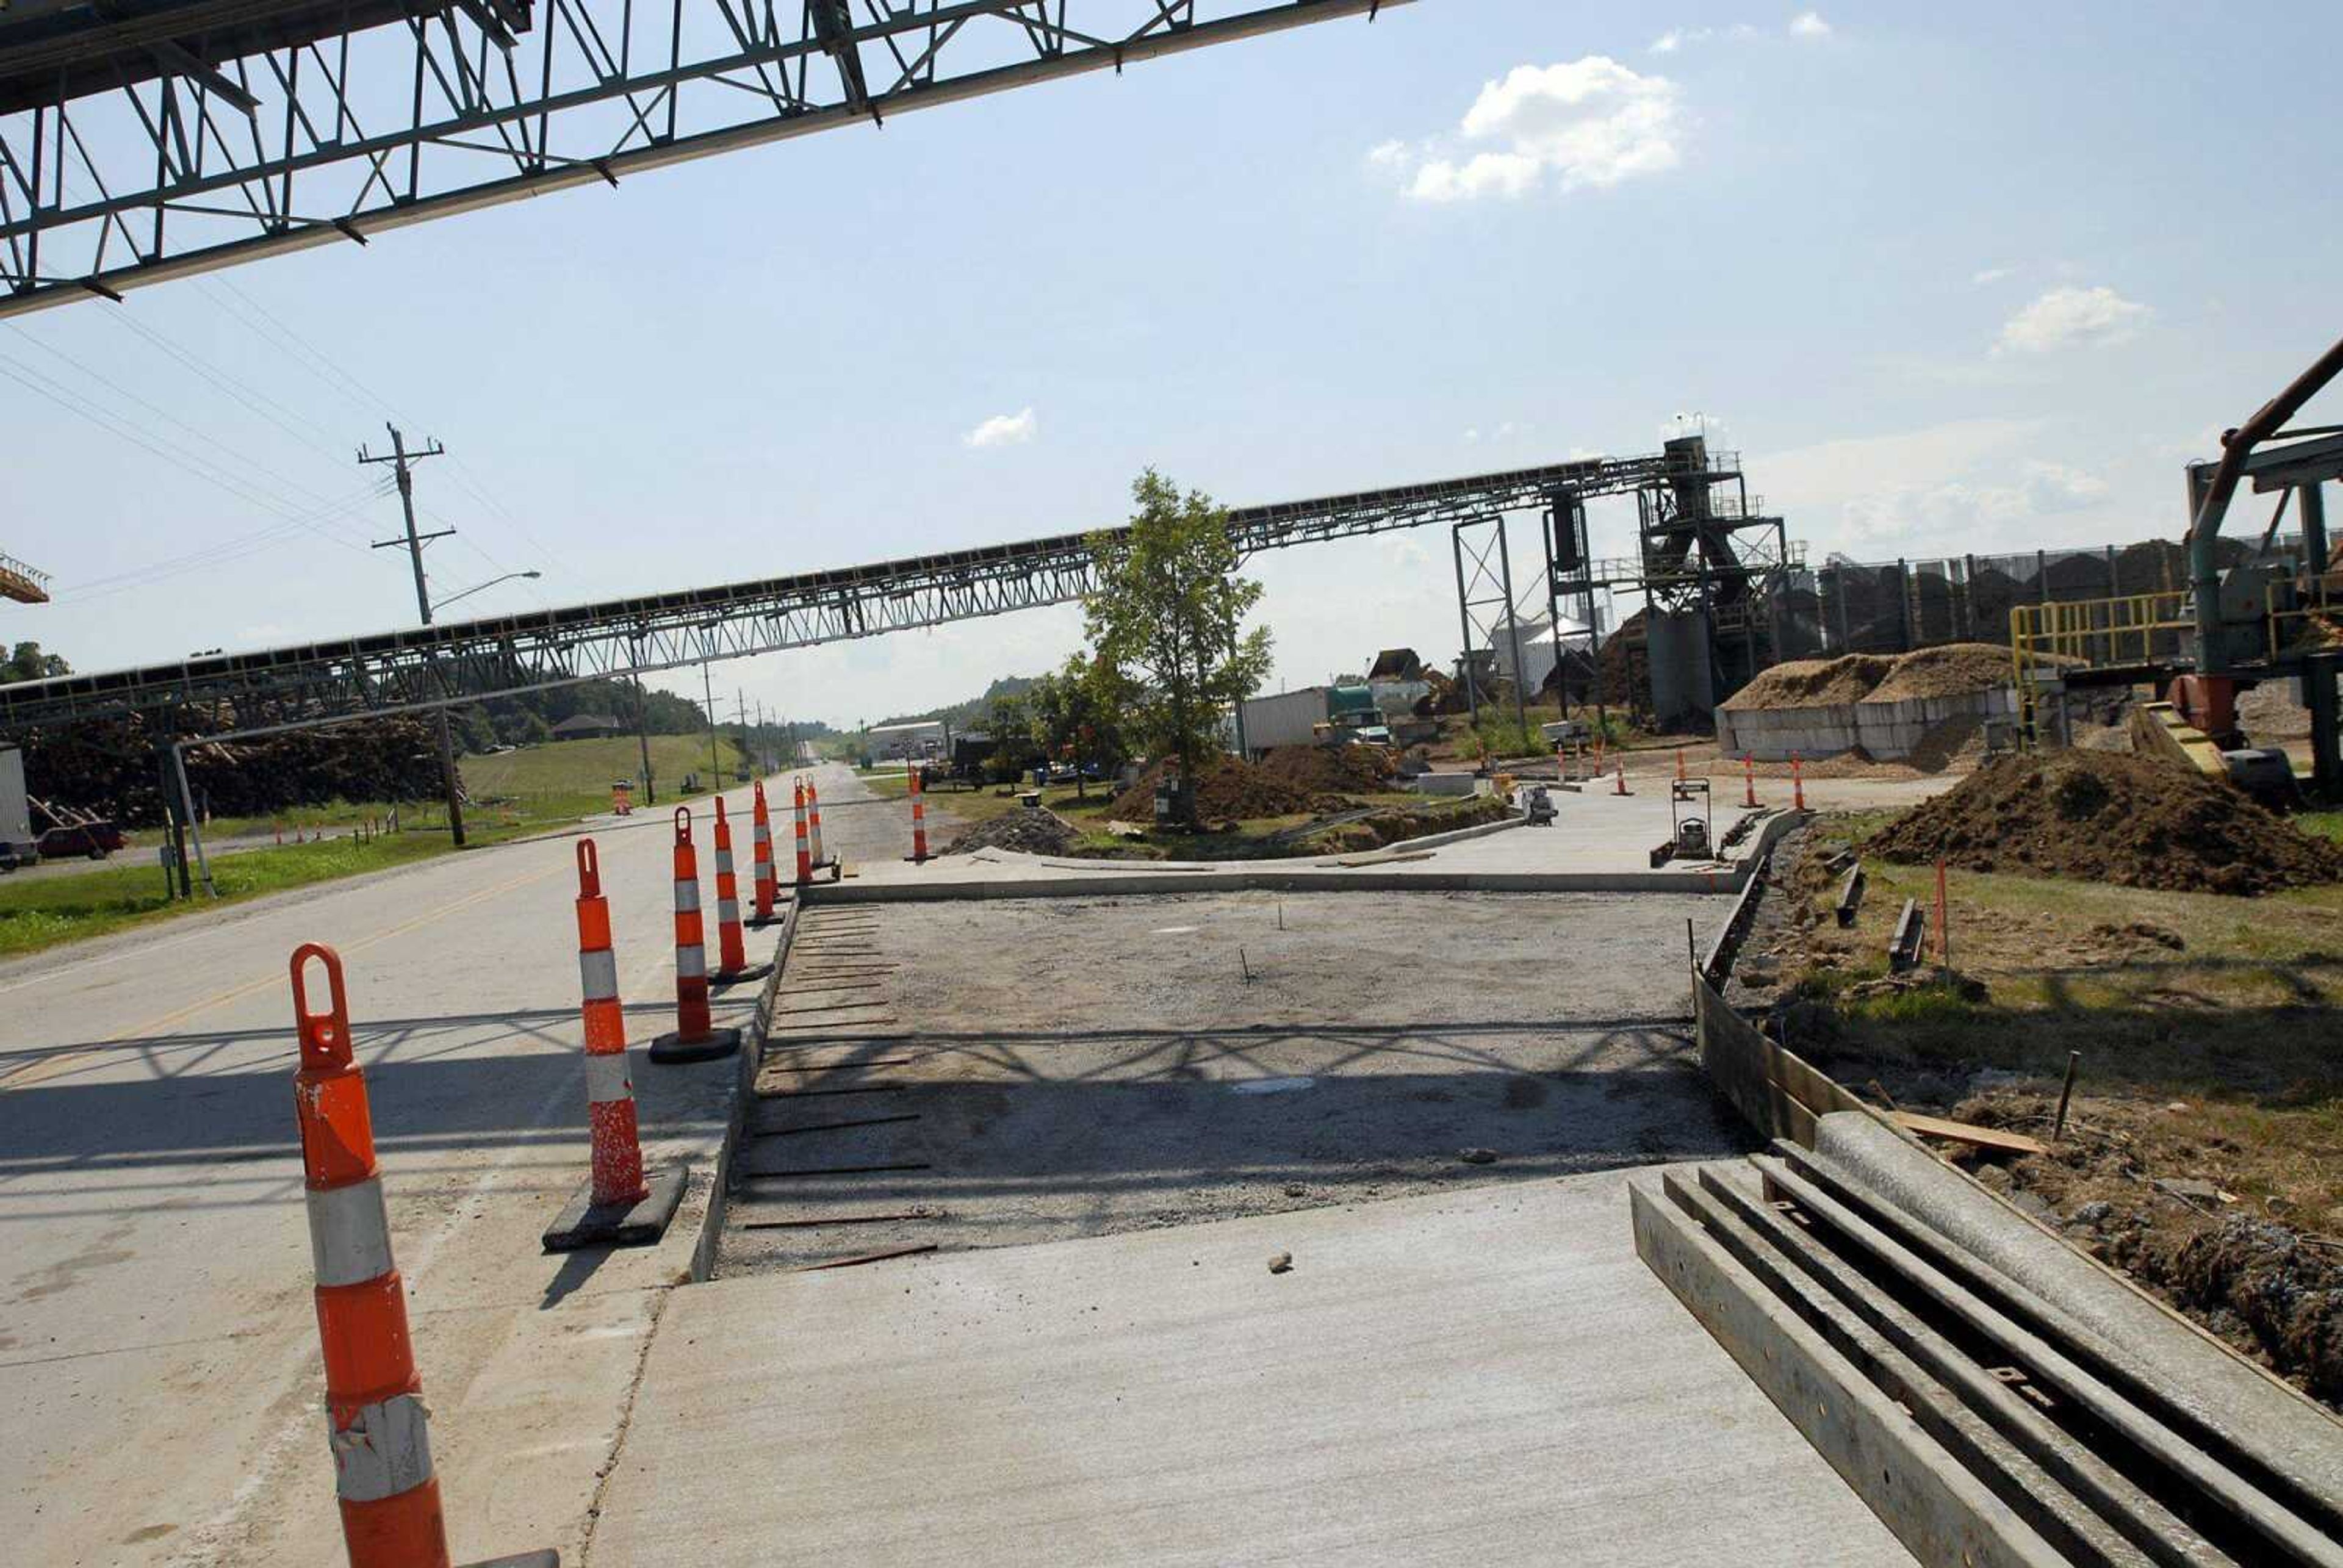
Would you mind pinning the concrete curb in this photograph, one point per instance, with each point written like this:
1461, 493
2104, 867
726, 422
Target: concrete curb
749, 1059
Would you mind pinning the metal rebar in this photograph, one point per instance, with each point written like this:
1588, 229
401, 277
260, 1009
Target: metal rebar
2066, 1093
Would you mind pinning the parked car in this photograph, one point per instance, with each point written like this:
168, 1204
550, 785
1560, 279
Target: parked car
96, 839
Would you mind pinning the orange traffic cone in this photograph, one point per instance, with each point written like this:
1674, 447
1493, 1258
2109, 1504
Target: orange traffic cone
919, 821
761, 829
733, 955
696, 1038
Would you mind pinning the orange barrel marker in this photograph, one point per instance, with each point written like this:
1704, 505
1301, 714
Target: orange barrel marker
618, 1205
761, 867
379, 1431
731, 951
918, 821
696, 1038
805, 856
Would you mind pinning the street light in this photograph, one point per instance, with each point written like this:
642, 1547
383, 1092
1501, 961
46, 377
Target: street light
483, 588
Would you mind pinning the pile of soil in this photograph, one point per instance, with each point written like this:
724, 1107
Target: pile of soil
1813, 683
1043, 832
2134, 1188
1226, 788
1325, 769
2102, 817
1955, 669
1394, 824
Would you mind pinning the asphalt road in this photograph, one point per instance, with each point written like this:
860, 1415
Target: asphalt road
158, 1351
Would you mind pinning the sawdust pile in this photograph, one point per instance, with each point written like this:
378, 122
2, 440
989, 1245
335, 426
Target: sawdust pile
1955, 669
1043, 832
1812, 682
2102, 817
1952, 669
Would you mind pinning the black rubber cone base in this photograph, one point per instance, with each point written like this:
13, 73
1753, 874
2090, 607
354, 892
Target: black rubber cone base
736, 977
673, 1047
548, 1558
585, 1223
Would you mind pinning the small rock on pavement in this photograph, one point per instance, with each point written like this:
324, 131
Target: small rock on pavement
2177, 1107
1295, 1190
1282, 1264
1477, 1156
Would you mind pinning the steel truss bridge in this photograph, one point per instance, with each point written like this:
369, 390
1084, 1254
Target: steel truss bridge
465, 661
142, 140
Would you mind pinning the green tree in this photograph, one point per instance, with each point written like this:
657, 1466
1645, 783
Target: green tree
1076, 714
29, 663
1166, 616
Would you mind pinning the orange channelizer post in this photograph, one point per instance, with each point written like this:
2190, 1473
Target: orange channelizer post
618, 1206
1797, 786
804, 854
380, 1433
813, 822
732, 954
1622, 779
373, 1400
762, 869
918, 821
696, 1037
1748, 780
1680, 766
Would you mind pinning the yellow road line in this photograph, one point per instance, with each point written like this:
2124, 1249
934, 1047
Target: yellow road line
50, 1068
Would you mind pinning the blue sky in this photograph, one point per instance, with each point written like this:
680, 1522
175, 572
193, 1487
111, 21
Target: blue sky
1952, 278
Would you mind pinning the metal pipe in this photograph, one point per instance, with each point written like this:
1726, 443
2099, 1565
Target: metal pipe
188, 815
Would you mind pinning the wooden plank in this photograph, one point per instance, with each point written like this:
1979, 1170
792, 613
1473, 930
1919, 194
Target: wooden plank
1968, 1132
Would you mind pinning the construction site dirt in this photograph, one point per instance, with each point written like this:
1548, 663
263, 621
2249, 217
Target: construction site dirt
962, 1075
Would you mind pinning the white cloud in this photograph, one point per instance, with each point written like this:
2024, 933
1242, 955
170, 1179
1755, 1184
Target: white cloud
1472, 437
1676, 38
1809, 25
1962, 486
1587, 122
1387, 155
2072, 319
1990, 275
1003, 430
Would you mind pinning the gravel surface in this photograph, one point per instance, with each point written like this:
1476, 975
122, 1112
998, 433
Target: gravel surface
1034, 1069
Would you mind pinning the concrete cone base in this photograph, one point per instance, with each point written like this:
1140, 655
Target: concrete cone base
672, 1048
586, 1223
736, 977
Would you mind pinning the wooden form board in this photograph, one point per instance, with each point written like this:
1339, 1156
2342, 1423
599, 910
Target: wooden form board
1776, 1091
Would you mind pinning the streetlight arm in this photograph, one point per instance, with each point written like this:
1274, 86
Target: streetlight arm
483, 588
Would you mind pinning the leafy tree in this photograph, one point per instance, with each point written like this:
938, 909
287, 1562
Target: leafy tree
29, 663
1164, 616
1009, 723
1077, 713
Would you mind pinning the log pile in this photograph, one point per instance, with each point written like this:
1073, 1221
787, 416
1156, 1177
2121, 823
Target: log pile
110, 767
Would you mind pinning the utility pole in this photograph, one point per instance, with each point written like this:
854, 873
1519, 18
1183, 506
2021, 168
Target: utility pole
707, 697
643, 737
403, 462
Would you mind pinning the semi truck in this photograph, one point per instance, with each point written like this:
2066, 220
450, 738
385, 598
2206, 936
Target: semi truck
1314, 716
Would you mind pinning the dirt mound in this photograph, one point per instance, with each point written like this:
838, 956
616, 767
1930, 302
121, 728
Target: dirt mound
1955, 669
2102, 817
1226, 790
1813, 683
1043, 832
1325, 769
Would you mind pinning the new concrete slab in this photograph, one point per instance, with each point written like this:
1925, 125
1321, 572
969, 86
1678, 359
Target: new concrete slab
1598, 842
1489, 1376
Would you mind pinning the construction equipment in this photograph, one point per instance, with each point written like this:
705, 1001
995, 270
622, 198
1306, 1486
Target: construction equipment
24, 584
1688, 837
2268, 618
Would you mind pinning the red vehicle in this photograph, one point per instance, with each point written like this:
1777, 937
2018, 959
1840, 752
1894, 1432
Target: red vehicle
96, 838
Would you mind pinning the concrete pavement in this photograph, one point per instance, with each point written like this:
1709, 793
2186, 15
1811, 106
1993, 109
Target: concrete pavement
1489, 1376
158, 1353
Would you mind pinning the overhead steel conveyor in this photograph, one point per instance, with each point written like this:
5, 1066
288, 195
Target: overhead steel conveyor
463, 661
